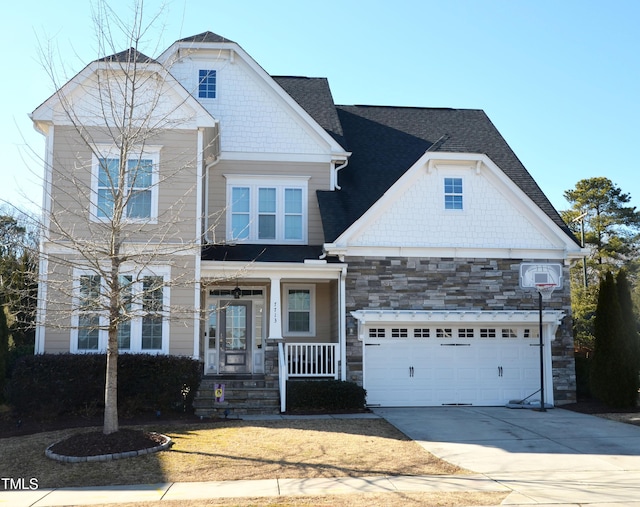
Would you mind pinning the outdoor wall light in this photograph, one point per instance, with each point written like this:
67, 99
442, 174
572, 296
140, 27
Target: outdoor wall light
351, 326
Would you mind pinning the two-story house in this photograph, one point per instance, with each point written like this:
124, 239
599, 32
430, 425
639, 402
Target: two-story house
381, 245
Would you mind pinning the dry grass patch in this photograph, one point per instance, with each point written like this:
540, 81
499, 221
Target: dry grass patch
399, 499
234, 450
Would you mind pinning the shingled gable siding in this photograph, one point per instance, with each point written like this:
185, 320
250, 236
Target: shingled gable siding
395, 283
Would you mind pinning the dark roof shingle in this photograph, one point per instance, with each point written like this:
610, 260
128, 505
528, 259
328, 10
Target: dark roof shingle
314, 96
128, 55
205, 37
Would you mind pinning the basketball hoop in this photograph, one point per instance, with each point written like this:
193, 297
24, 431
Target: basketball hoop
545, 290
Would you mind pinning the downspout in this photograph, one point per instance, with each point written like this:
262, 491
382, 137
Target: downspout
197, 314
342, 310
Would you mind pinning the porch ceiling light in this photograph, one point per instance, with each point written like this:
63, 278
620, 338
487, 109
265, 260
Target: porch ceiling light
237, 292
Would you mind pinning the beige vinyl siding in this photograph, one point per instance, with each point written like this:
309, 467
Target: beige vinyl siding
319, 179
323, 315
183, 306
72, 192
57, 319
59, 302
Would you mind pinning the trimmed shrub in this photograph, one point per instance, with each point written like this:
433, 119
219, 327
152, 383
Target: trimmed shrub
613, 374
583, 366
321, 395
47, 386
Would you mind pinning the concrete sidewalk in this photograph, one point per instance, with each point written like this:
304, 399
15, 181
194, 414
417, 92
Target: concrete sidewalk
245, 489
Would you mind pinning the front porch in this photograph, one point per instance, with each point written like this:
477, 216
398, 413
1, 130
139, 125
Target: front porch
237, 394
265, 324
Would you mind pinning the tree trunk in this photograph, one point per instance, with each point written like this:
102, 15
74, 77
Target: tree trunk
111, 386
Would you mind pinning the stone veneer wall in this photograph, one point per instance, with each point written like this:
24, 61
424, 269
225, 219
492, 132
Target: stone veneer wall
401, 283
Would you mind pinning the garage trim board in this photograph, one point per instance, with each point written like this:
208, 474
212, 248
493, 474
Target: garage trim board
434, 358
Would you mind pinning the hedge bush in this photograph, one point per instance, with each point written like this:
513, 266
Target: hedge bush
49, 385
321, 395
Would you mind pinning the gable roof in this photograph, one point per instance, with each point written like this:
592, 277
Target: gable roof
386, 141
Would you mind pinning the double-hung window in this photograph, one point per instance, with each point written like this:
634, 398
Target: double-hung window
206, 84
300, 310
453, 193
267, 211
142, 323
131, 186
88, 328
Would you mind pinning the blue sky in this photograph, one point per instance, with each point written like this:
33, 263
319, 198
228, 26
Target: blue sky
559, 79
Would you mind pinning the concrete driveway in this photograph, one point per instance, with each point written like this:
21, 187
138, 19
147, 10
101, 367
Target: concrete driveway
552, 457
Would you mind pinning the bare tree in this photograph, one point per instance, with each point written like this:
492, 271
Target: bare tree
123, 192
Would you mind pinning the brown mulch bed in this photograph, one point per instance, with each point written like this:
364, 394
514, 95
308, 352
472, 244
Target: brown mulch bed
595, 407
96, 443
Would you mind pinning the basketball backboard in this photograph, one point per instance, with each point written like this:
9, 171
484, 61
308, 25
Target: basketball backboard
534, 274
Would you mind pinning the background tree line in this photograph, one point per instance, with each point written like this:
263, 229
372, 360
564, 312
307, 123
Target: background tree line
606, 291
18, 288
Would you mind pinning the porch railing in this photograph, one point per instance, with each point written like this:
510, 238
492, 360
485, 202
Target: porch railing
312, 360
305, 360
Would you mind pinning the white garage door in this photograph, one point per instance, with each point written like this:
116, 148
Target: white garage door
432, 366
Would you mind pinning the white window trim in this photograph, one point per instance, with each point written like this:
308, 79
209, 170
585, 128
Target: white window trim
312, 309
445, 194
280, 182
196, 94
136, 322
109, 151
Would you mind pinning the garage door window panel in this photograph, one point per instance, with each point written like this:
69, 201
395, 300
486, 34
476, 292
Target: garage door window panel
375, 332
487, 333
444, 333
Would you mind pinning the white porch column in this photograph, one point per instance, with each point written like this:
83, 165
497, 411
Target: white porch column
342, 316
275, 310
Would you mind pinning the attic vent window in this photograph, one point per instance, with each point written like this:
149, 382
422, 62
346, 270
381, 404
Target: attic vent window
206, 84
453, 193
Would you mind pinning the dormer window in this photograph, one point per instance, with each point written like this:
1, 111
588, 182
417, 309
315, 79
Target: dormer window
206, 84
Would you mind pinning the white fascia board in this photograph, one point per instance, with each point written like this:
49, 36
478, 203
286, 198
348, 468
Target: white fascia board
305, 120
44, 112
450, 317
520, 199
324, 158
455, 252
238, 270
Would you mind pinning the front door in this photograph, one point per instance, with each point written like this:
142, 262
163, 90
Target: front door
235, 337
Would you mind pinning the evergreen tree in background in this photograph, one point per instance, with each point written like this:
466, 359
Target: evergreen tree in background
614, 373
4, 351
629, 324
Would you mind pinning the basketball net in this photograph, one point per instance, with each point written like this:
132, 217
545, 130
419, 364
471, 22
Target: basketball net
545, 290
